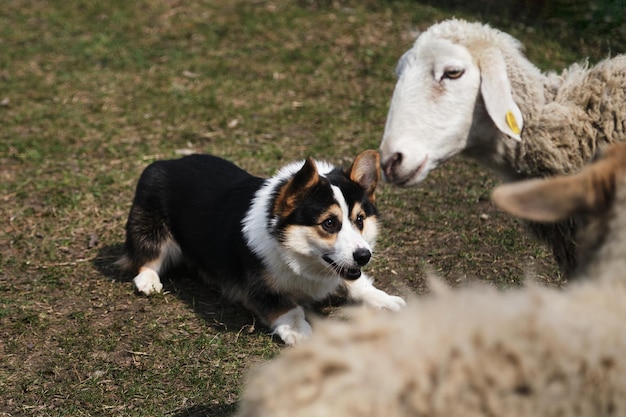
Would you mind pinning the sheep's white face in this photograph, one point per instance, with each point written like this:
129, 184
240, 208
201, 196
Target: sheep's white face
431, 111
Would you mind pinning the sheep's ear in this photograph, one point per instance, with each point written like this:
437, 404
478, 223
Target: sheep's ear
496, 91
555, 199
539, 200
365, 171
403, 62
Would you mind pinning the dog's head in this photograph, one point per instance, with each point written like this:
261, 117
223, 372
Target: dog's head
325, 217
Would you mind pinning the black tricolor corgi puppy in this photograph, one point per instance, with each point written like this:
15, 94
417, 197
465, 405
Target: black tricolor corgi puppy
271, 244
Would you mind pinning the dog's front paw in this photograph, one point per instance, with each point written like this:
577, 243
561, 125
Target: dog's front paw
373, 297
292, 327
292, 336
387, 302
148, 282
362, 290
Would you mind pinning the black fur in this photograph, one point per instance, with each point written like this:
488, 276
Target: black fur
200, 201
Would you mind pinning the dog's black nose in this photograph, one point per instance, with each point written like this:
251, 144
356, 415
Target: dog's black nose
362, 256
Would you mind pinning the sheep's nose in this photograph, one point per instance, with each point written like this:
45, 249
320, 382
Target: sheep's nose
391, 165
362, 256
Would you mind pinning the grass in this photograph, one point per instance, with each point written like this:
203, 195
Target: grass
91, 92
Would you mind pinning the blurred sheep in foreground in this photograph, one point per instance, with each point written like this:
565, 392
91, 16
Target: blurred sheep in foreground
478, 351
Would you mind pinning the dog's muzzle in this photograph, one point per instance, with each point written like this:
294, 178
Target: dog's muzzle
360, 256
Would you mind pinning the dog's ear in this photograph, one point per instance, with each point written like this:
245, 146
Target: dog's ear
365, 171
291, 193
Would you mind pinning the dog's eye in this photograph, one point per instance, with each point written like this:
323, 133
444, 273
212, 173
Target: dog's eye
359, 221
331, 225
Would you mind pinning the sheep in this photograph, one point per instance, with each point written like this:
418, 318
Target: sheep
466, 88
477, 351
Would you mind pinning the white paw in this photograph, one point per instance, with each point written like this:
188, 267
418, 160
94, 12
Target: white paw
384, 300
363, 290
148, 282
292, 327
292, 336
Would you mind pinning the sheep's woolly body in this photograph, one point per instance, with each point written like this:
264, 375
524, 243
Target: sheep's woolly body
412, 365
587, 112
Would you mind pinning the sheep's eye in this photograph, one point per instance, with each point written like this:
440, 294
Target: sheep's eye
331, 225
453, 73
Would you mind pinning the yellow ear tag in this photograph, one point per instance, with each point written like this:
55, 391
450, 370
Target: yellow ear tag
511, 122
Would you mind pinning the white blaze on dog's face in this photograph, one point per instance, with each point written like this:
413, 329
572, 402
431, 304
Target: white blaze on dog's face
431, 110
327, 220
